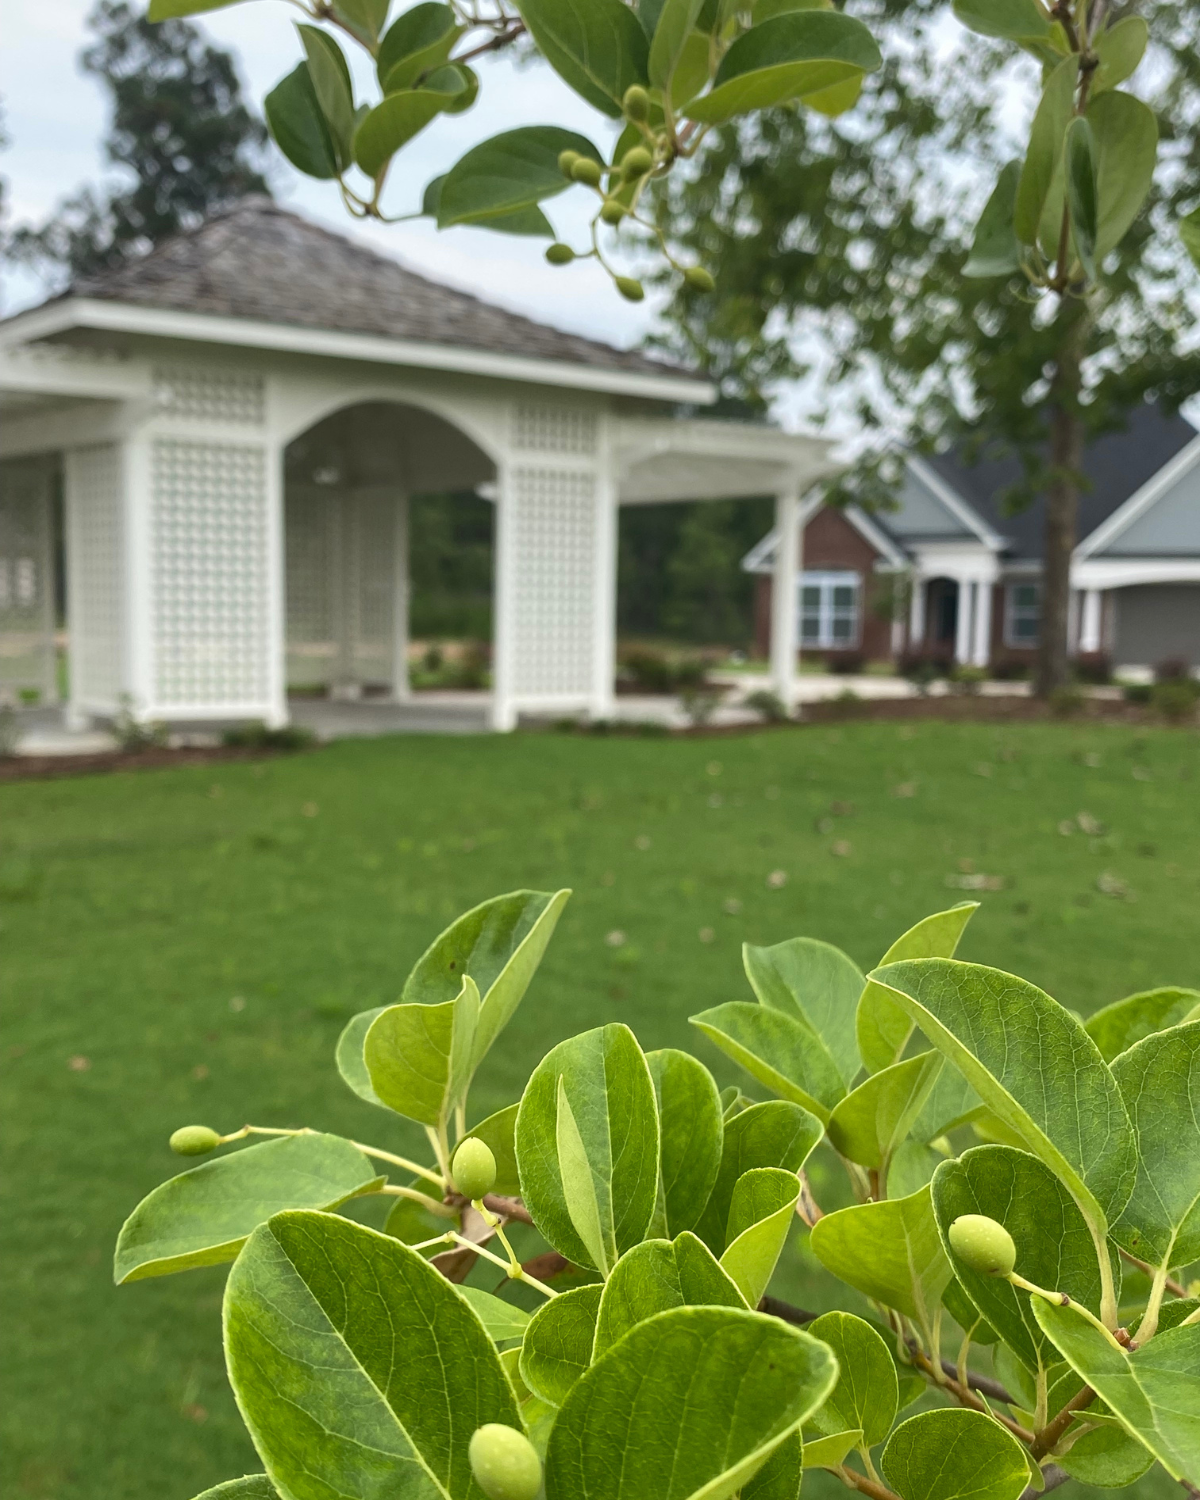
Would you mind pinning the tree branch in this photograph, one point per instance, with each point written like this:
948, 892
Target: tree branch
797, 1316
1053, 1475
865, 1486
984, 1384
1172, 1286
1045, 1440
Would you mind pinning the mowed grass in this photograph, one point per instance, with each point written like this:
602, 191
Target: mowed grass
185, 946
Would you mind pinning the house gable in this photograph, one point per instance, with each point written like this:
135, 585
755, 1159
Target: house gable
1161, 520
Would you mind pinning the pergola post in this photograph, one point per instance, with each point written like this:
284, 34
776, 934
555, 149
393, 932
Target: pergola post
981, 649
962, 622
785, 601
503, 712
401, 598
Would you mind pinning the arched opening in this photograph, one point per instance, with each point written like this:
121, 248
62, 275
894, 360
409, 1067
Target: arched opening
942, 604
354, 483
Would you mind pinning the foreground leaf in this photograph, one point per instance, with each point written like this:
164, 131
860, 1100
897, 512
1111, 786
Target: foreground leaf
782, 1051
298, 127
249, 1487
1082, 193
996, 251
656, 1276
818, 984
1054, 1245
1155, 1392
1014, 20
1126, 144
1120, 49
867, 1391
596, 46
694, 1400
890, 1251
1015, 1044
870, 1123
508, 175
557, 1348
419, 1057
882, 1027
1108, 1458
333, 1407
760, 1215
692, 1134
401, 116
1045, 149
349, 1055
418, 40
202, 1217
954, 1455
498, 1132
781, 1476
502, 1320
774, 1134
1118, 1026
828, 1452
1159, 1080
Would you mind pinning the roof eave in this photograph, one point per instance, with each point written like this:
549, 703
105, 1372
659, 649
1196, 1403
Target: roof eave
71, 312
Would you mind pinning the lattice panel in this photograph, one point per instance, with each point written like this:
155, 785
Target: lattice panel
209, 395
554, 429
311, 546
210, 597
554, 543
96, 574
26, 583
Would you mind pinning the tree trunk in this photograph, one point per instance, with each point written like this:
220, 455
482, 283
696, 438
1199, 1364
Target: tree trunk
1062, 502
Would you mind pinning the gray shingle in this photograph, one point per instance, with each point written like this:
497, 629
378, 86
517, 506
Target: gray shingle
258, 261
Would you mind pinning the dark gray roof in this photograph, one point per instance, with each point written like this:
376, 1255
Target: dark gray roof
1117, 465
258, 261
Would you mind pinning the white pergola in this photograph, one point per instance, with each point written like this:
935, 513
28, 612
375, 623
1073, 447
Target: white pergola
235, 499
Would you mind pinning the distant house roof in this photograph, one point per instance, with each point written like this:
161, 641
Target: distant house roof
259, 262
1116, 465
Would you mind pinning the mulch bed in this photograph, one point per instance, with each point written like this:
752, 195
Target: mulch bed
50, 767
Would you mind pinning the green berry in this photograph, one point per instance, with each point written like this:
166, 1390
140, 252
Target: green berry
566, 162
505, 1463
636, 163
636, 103
194, 1140
983, 1245
559, 254
587, 171
629, 288
474, 1168
699, 279
613, 212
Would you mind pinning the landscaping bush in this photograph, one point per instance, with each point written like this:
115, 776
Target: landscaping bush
769, 706
1003, 1160
846, 664
256, 736
968, 680
1176, 699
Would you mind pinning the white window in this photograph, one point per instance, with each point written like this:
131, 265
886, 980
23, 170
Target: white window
829, 610
1022, 614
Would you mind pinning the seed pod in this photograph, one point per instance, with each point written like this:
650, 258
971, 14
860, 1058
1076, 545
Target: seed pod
630, 288
699, 279
559, 254
566, 161
504, 1462
983, 1245
612, 211
474, 1168
636, 103
587, 171
636, 162
194, 1140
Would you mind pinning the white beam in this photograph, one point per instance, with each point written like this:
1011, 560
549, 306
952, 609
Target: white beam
401, 601
785, 597
982, 645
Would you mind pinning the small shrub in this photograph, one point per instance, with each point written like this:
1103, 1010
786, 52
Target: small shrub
132, 734
1068, 700
921, 671
1138, 692
1096, 671
846, 663
256, 736
1010, 671
1173, 669
1175, 699
699, 702
968, 680
648, 671
10, 731
769, 706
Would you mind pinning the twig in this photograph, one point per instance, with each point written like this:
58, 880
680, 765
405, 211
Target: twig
1045, 1440
797, 1316
984, 1384
500, 40
856, 1481
1172, 1286
1053, 1476
963, 1395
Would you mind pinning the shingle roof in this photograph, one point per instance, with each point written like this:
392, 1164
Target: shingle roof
256, 260
1117, 465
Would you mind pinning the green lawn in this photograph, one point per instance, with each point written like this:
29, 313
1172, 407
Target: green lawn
185, 945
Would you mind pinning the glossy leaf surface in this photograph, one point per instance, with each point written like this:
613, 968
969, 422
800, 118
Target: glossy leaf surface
498, 1132
954, 1455
418, 40
508, 174
595, 46
818, 984
773, 1134
1120, 49
558, 1343
867, 1391
1118, 1026
869, 1124
890, 1251
996, 251
502, 1320
249, 1487
401, 116
418, 1057
1045, 149
760, 1215
1012, 20
350, 1062
692, 1135
782, 1051
298, 127
882, 1027
655, 1276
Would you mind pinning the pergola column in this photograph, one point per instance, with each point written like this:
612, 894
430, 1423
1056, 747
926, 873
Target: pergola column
1090, 623
982, 634
916, 612
785, 596
962, 631
401, 602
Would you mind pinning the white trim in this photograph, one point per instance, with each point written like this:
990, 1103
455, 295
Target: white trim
761, 557
785, 615
825, 579
874, 537
961, 509
1141, 500
1127, 572
119, 317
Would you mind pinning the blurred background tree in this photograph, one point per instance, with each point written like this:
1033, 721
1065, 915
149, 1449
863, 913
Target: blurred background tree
181, 134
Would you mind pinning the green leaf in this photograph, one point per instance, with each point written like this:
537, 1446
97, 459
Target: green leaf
365, 18
867, 1391
828, 1452
331, 83
401, 116
359, 1370
966, 1314
579, 1188
413, 1223
249, 1487
801, 52
781, 1475
868, 1125
774, 1134
501, 942
783, 1052
760, 1215
836, 99
350, 1062
596, 46
558, 1343
655, 1276
1126, 144
912, 1167
890, 1251
1159, 1079
694, 1400
996, 251
1015, 1044
692, 1133
501, 1319
1054, 1246
676, 20
816, 983
952, 1102
168, 10
202, 1217
1012, 20
883, 1027
507, 174
691, 70
1119, 48
1118, 1026
418, 1057
415, 43
1081, 193
607, 1086
1189, 233
498, 1132
1045, 149
954, 1455
298, 126
1107, 1458
1154, 1392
